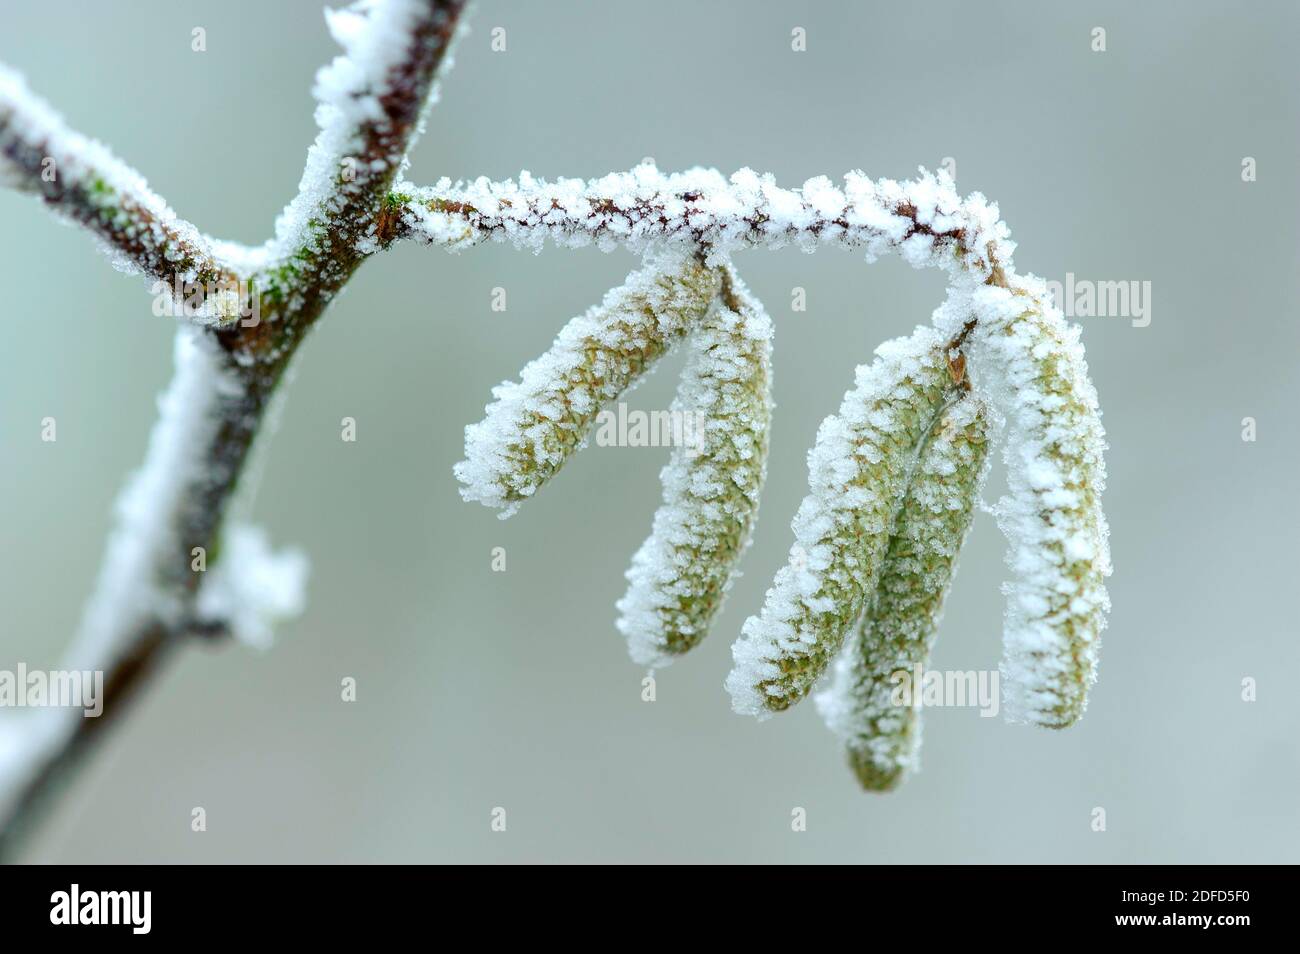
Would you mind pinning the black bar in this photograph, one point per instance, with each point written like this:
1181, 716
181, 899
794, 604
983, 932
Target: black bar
334, 903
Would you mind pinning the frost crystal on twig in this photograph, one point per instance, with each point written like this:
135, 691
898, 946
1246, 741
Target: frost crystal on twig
371, 101
680, 575
1028, 364
252, 587
536, 423
82, 181
857, 473
880, 726
924, 219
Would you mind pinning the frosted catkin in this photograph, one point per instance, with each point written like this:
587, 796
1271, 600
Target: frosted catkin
857, 473
680, 575
536, 423
873, 700
1028, 363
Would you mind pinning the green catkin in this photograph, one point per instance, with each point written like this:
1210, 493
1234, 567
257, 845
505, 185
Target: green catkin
680, 575
1030, 366
873, 701
858, 473
536, 423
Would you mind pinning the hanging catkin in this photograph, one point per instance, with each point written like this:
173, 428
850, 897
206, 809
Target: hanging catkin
873, 701
1027, 362
536, 423
857, 473
711, 484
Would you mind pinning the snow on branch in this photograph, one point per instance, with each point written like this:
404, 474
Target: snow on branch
84, 182
923, 219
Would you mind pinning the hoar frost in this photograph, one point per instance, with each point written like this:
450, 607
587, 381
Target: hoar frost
252, 588
1028, 364
893, 477
857, 472
898, 626
924, 219
536, 423
682, 572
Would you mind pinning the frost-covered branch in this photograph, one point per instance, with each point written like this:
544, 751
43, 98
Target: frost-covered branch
82, 181
371, 105
148, 598
144, 603
923, 219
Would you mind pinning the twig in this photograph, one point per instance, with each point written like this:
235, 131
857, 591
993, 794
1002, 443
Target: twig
143, 605
82, 181
923, 219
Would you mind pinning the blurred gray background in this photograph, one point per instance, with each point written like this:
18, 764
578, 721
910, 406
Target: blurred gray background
479, 689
